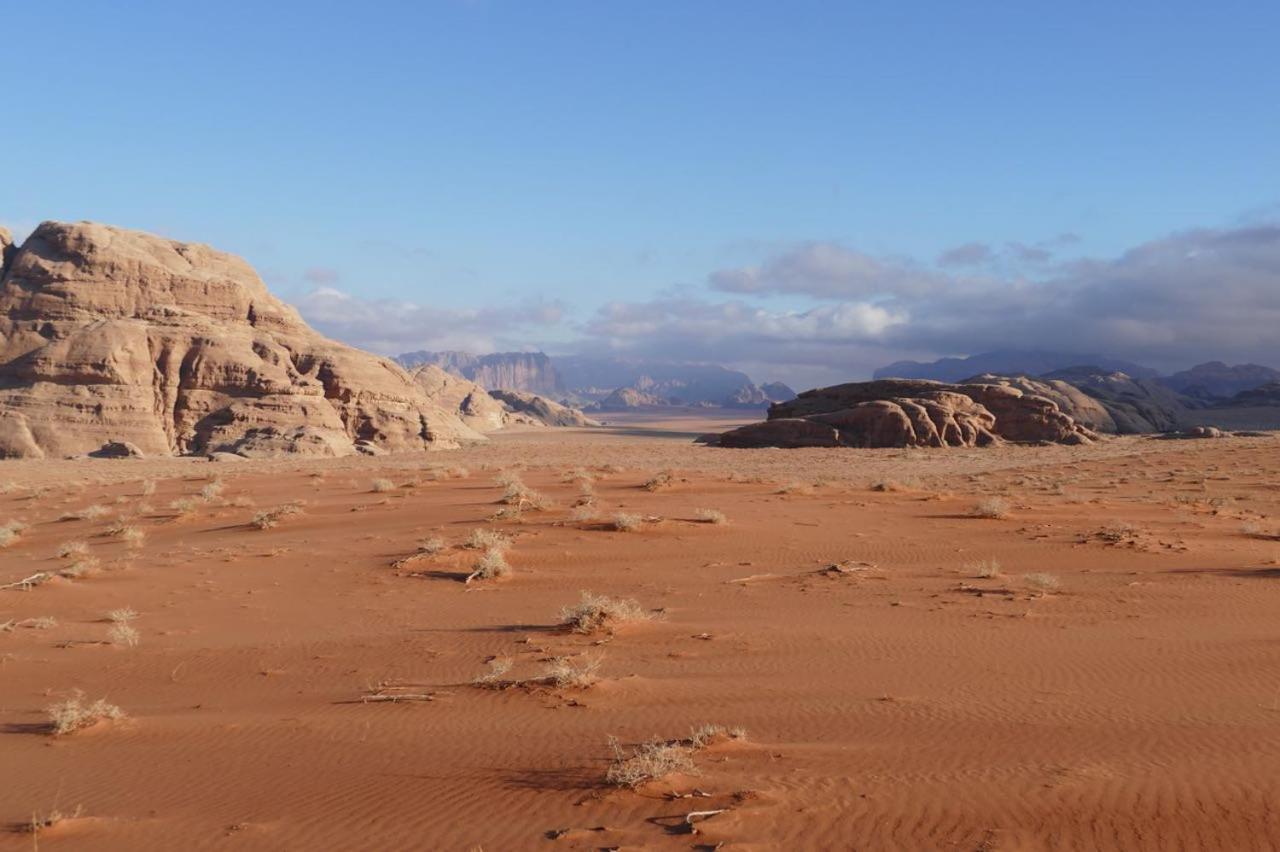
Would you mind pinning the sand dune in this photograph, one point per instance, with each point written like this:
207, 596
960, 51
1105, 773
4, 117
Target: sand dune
902, 700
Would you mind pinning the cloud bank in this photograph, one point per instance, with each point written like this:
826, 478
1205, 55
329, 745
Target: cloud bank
1197, 295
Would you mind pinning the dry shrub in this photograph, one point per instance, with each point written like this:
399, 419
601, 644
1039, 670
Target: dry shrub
42, 822
79, 567
795, 488
381, 486
495, 677
68, 549
148, 487
986, 569
268, 518
10, 532
482, 539
491, 566
656, 759
662, 479
991, 507
184, 506
570, 673
211, 491
711, 516
75, 714
1122, 533
625, 522
88, 513
1043, 583
597, 613
133, 536
582, 514
432, 546
125, 634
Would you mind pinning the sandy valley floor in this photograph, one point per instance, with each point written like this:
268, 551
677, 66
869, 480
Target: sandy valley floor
1097, 669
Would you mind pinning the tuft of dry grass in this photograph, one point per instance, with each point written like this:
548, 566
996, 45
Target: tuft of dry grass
79, 567
148, 487
184, 507
496, 675
381, 486
124, 634
994, 508
1043, 583
268, 518
88, 513
42, 822
68, 549
432, 546
711, 516
10, 533
795, 488
625, 522
986, 569
491, 566
212, 491
657, 482
583, 513
656, 759
600, 614
75, 714
570, 673
482, 539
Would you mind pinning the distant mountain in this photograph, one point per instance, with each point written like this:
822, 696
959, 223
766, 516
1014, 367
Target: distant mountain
1008, 362
1137, 405
1216, 382
658, 383
531, 372
1263, 395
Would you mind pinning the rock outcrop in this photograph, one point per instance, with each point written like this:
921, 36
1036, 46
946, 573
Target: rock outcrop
911, 413
490, 410
1070, 400
624, 399
110, 335
538, 410
1136, 405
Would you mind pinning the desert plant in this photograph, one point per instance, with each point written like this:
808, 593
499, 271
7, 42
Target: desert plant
583, 513
432, 546
88, 513
123, 615
133, 536
123, 633
660, 480
211, 491
495, 676
795, 488
598, 613
492, 565
986, 569
624, 522
268, 518
184, 506
381, 486
10, 532
711, 516
79, 567
69, 549
656, 759
991, 507
75, 713
482, 539
570, 673
1042, 583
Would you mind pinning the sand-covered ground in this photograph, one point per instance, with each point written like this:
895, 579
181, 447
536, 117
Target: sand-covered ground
1098, 668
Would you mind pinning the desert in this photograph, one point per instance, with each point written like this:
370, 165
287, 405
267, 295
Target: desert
490, 426
1007, 648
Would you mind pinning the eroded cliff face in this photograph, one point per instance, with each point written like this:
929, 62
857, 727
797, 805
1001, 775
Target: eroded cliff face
531, 372
110, 335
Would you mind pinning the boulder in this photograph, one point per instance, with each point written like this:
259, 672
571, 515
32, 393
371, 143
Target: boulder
118, 450
108, 335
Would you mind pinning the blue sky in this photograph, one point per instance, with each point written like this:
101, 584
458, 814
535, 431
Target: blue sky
472, 164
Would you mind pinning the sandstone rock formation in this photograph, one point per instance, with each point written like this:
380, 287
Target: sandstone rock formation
624, 399
539, 410
1070, 400
911, 413
487, 411
110, 335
